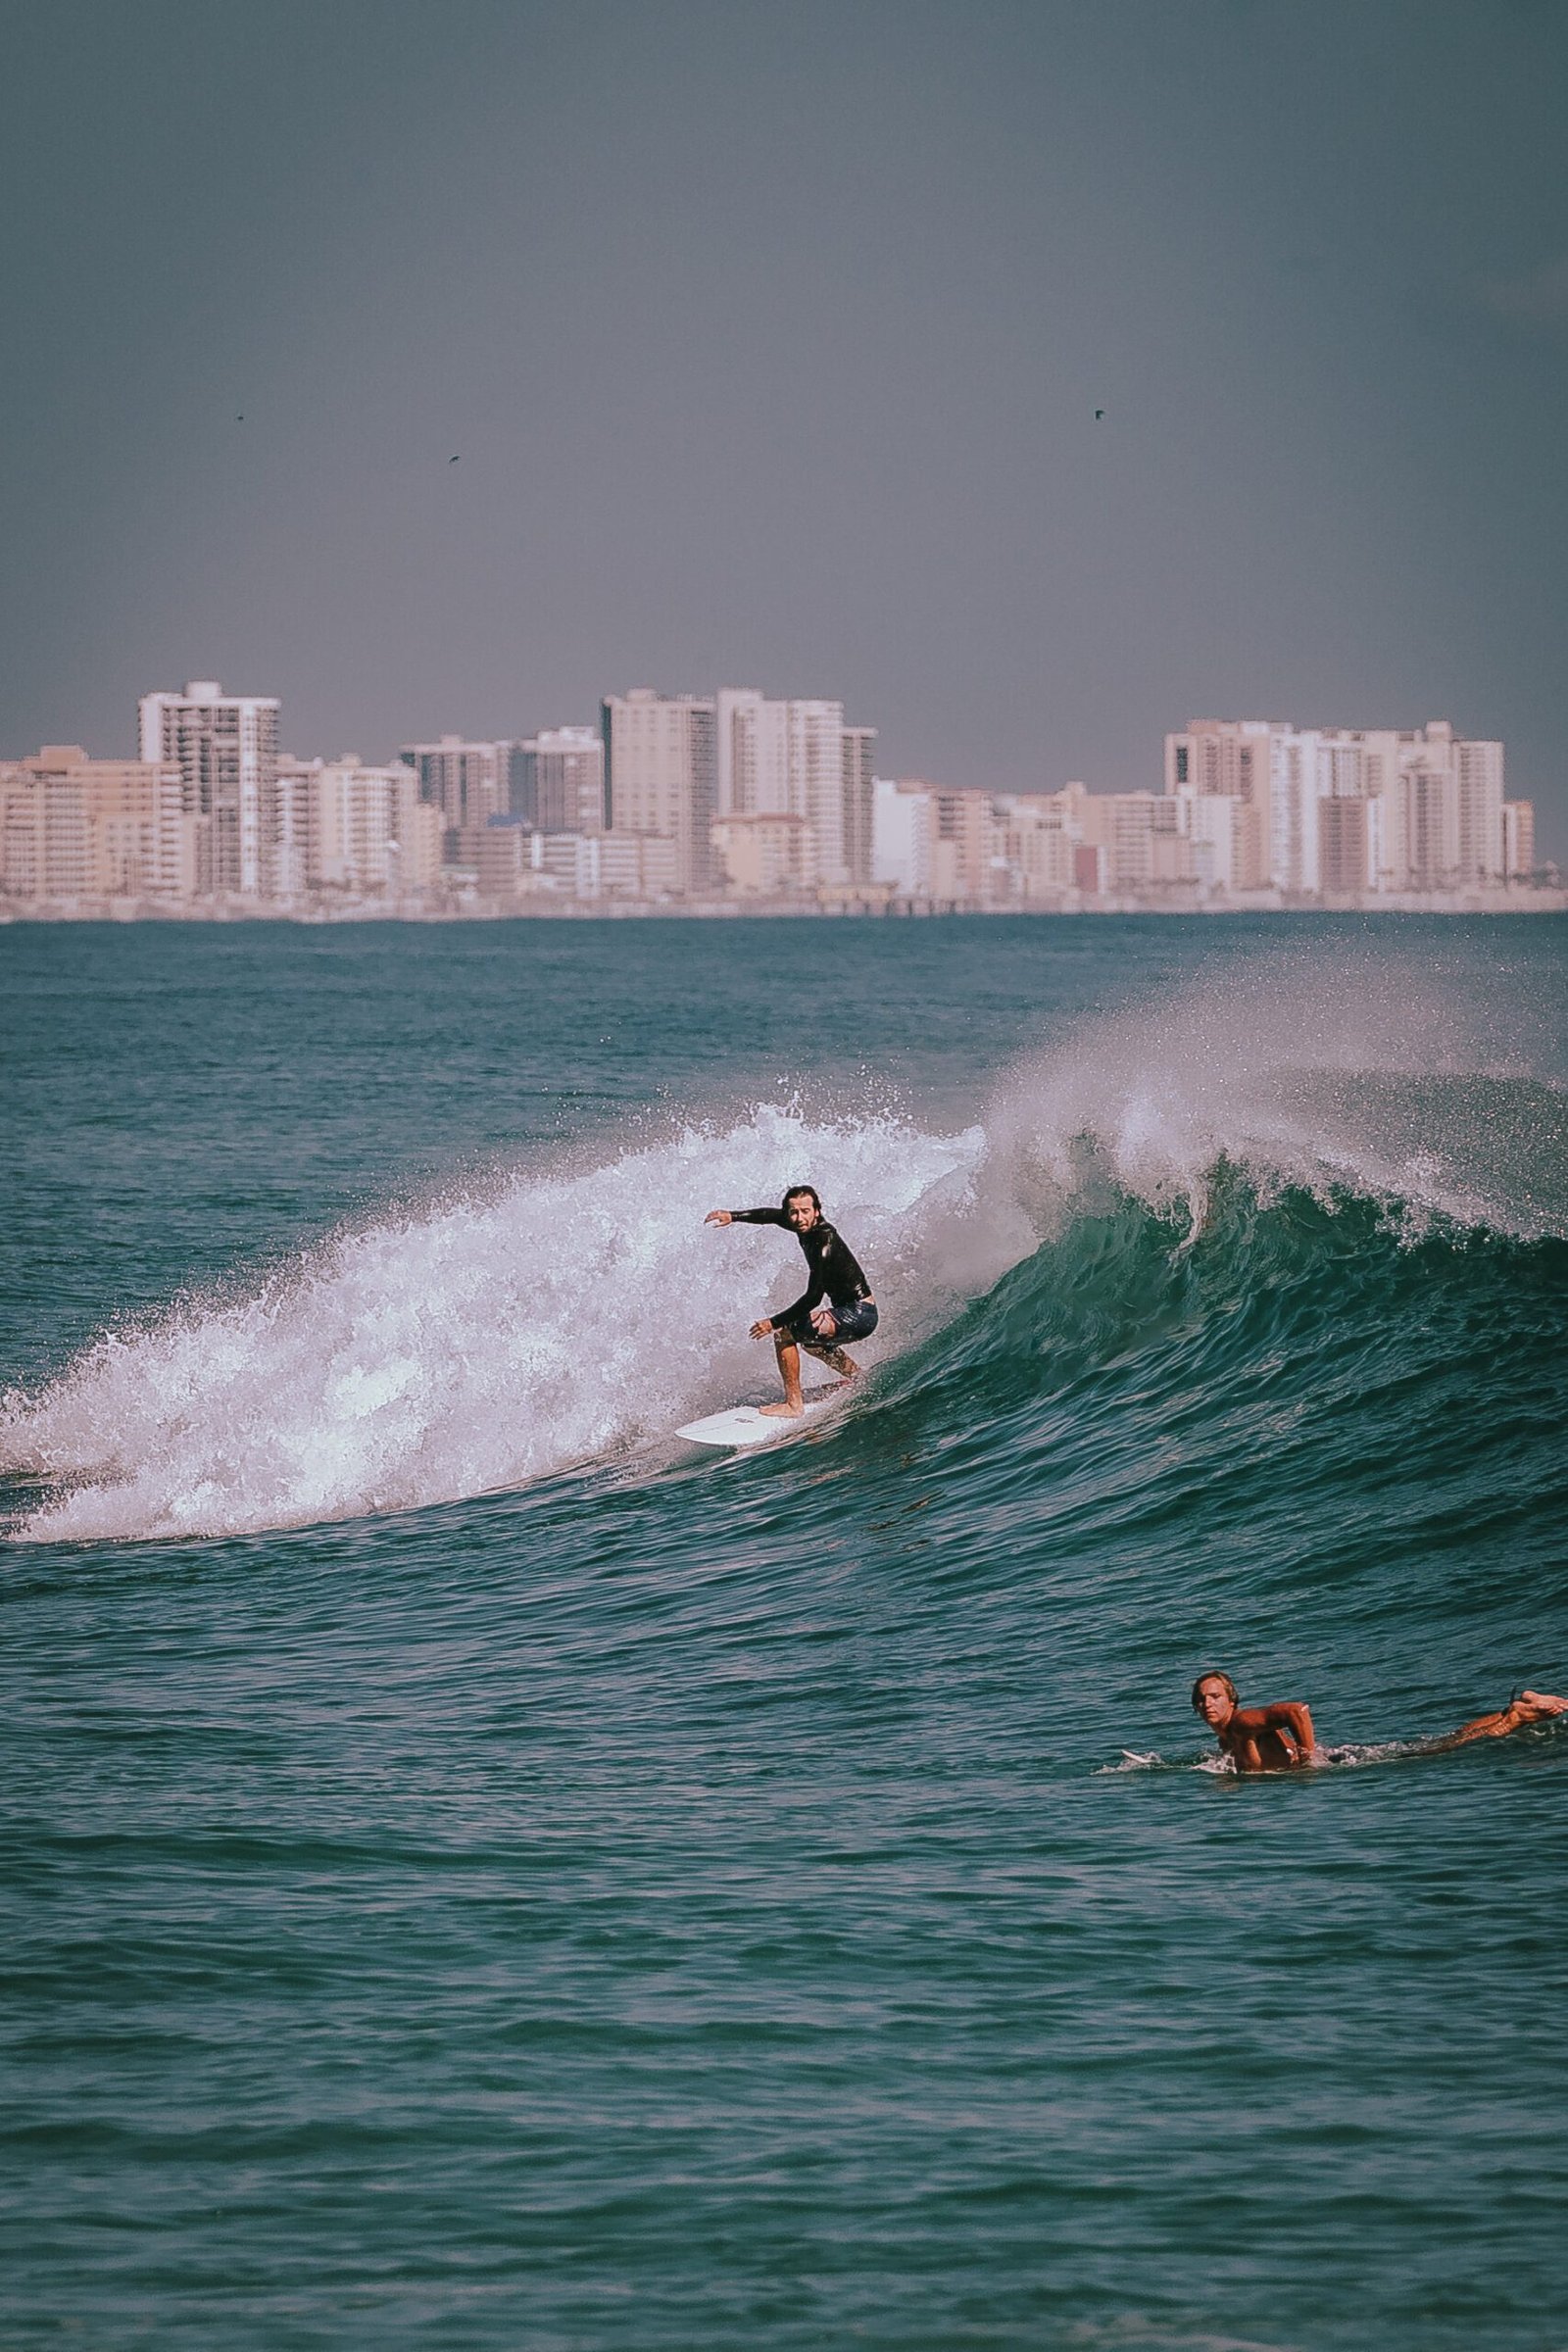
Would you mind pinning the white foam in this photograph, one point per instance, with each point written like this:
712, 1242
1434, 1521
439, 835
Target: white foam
1268, 1069
480, 1345
571, 1314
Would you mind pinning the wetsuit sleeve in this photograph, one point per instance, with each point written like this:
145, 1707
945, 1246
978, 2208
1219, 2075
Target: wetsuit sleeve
757, 1217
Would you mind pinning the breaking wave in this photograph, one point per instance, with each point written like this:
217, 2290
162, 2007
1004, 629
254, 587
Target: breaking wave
1239, 1154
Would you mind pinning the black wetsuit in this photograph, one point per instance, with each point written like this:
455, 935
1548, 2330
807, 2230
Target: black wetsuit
836, 1276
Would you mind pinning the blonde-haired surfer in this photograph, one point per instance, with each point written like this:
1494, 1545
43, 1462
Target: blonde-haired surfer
1279, 1738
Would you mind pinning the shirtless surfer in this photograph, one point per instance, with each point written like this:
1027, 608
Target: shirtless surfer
1280, 1737
850, 1311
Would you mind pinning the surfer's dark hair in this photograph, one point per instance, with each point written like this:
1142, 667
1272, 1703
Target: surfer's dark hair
794, 1194
1213, 1675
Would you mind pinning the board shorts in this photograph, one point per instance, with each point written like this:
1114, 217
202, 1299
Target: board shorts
857, 1319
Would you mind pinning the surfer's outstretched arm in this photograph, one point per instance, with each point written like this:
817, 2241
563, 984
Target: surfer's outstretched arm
1528, 1708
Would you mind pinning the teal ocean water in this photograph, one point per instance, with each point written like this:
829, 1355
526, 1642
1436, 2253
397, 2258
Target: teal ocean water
482, 1873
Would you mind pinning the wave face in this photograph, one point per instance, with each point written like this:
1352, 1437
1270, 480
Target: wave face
478, 1345
487, 1872
579, 1314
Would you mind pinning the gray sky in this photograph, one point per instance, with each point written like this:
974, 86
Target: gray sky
770, 334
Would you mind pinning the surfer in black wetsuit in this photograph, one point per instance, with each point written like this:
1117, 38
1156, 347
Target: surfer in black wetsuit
835, 1305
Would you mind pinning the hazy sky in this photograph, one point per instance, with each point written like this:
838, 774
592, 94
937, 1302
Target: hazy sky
769, 335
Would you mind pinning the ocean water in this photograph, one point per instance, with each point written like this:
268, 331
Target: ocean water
483, 1874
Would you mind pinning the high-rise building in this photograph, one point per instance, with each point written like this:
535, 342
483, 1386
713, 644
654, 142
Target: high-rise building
659, 775
1032, 859
557, 781
1351, 810
933, 842
1343, 842
468, 782
787, 758
858, 802
358, 828
73, 827
1518, 841
903, 827
226, 749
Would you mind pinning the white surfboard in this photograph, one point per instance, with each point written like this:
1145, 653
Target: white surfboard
748, 1425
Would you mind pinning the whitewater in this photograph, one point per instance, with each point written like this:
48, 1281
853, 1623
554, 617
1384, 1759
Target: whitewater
581, 1312
482, 1873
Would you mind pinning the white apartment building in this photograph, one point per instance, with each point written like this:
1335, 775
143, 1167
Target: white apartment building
659, 779
226, 749
357, 828
933, 843
796, 757
903, 828
1341, 810
72, 827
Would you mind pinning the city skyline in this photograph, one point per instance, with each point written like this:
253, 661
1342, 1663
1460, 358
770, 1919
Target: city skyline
685, 800
775, 344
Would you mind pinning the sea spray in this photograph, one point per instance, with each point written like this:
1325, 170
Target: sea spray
483, 1344
578, 1312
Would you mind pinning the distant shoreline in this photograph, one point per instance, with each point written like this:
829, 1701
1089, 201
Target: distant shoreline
546, 909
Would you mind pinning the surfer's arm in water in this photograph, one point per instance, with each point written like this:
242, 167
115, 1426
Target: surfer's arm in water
1274, 1738
1524, 1709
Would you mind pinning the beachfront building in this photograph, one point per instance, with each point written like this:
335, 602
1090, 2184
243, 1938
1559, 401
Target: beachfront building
934, 843
787, 758
1035, 859
769, 854
859, 754
902, 821
508, 859
1518, 841
224, 747
1341, 811
659, 777
75, 828
356, 829
557, 781
470, 781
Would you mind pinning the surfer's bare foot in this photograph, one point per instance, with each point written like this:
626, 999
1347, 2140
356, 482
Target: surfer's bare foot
785, 1411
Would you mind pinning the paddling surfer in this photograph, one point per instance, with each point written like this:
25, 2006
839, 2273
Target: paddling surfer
835, 1305
1280, 1737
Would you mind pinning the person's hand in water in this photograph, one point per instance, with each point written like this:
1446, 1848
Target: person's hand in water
1536, 1706
718, 1216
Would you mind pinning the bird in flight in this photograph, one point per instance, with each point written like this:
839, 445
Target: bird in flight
1099, 413
452, 460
